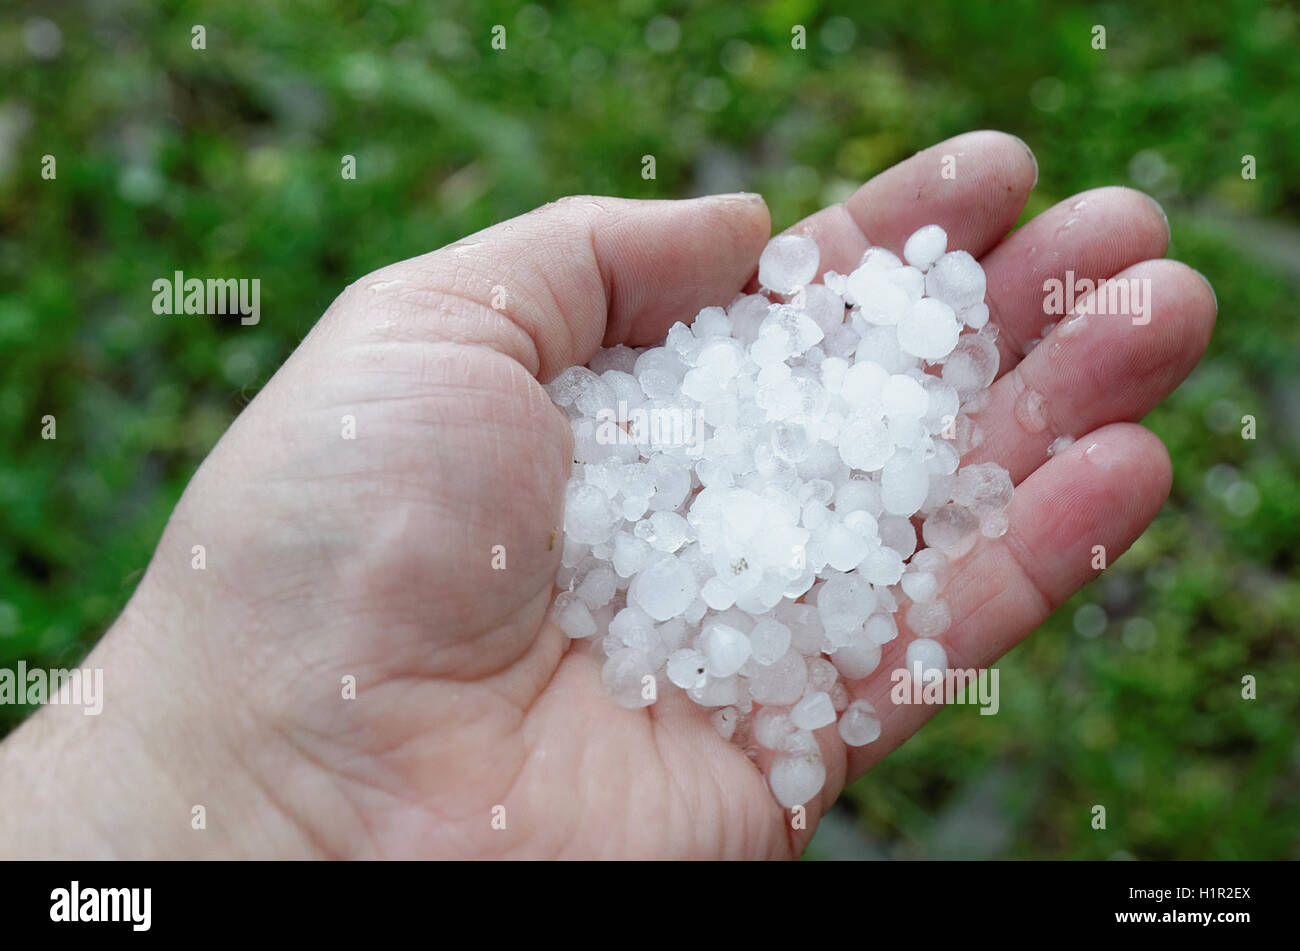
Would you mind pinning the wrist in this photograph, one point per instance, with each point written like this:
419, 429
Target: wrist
159, 771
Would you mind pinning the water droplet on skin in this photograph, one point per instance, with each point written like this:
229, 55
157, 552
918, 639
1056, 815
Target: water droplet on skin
1031, 410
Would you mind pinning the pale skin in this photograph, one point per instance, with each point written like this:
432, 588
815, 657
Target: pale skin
371, 558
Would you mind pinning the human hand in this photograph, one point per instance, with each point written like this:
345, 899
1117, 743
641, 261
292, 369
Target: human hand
372, 557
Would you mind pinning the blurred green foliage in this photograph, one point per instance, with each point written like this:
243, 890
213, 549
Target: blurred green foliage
226, 161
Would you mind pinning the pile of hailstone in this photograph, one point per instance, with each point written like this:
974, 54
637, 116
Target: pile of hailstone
741, 520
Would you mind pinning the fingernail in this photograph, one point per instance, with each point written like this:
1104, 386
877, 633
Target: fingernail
1168, 234
751, 198
1211, 287
1032, 157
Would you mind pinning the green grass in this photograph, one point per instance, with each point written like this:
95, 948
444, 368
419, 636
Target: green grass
226, 162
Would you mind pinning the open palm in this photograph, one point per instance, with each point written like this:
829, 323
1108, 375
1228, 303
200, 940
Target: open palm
373, 557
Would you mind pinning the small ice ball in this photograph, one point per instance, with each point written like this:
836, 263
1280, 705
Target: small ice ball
795, 779
629, 678
598, 587
573, 616
857, 660
780, 683
865, 443
929, 330
926, 245
569, 384
983, 487
788, 261
813, 712
717, 692
824, 307
972, 365
589, 518
904, 396
726, 648
663, 589
687, 668
712, 322
771, 727
920, 585
858, 724
976, 316
904, 483
931, 656
770, 639
956, 279
929, 618
821, 674
724, 721
629, 555
844, 602
634, 628
881, 259
880, 628
952, 528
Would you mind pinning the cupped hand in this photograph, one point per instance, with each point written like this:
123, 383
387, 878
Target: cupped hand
354, 520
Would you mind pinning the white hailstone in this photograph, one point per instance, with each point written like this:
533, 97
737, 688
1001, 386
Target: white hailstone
983, 487
788, 261
769, 639
726, 649
910, 280
844, 601
880, 258
976, 316
598, 587
928, 330
589, 517
748, 537
664, 589
687, 668
925, 246
781, 682
931, 657
573, 616
928, 618
712, 322
857, 660
839, 697
858, 724
724, 721
952, 528
880, 629
972, 365
904, 483
956, 279
634, 628
824, 307
626, 675
771, 727
629, 554
796, 778
813, 712
920, 585
904, 396
821, 674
